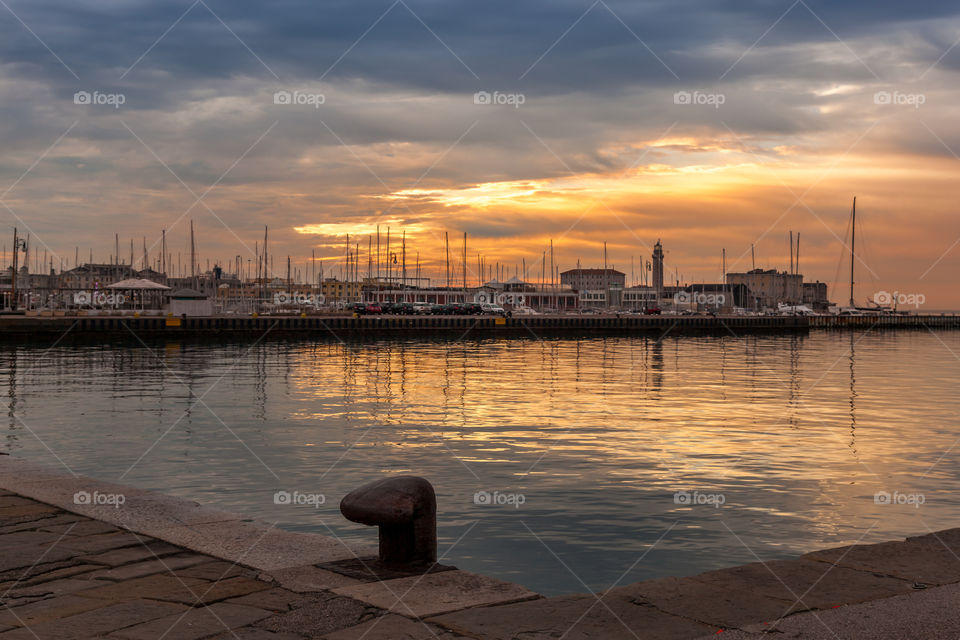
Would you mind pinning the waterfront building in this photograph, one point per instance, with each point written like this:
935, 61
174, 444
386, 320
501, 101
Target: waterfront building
592, 279
770, 287
93, 276
190, 302
639, 299
593, 298
815, 295
334, 290
717, 296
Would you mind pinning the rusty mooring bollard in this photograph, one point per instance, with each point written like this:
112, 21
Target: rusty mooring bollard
405, 509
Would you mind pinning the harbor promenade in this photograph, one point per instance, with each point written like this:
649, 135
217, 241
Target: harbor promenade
81, 558
342, 326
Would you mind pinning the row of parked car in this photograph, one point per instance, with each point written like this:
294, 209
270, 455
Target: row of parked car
424, 308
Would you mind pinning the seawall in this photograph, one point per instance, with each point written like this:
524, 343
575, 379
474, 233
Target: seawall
17, 326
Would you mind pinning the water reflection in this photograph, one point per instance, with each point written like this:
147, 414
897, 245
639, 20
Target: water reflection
598, 434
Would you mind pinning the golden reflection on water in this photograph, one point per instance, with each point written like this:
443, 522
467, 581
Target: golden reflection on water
798, 432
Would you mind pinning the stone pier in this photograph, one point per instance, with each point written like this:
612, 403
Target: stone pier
162, 567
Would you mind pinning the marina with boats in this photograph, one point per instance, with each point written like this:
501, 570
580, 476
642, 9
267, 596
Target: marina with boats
595, 298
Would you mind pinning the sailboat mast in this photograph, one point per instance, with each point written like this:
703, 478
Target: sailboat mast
853, 244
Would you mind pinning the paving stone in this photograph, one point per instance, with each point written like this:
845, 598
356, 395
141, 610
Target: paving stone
708, 603
43, 572
251, 633
24, 523
276, 599
88, 545
149, 511
12, 500
820, 585
949, 537
216, 591
392, 627
25, 555
196, 623
30, 538
216, 570
150, 567
12, 514
48, 609
80, 526
437, 593
47, 589
149, 587
329, 613
575, 617
96, 623
929, 614
309, 578
128, 555
924, 560
257, 545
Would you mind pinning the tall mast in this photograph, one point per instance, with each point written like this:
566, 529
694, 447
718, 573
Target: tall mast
464, 266
551, 263
13, 277
193, 258
796, 259
853, 240
446, 236
791, 251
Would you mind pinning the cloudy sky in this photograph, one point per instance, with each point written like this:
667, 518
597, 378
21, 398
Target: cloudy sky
708, 124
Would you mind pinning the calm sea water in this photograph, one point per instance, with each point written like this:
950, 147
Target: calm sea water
793, 434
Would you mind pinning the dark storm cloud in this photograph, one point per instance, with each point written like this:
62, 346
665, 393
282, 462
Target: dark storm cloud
499, 41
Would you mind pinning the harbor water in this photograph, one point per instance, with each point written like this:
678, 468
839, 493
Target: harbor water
565, 465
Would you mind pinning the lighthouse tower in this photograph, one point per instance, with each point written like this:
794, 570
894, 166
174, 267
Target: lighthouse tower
658, 269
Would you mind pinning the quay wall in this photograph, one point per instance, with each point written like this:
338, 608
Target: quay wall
19, 326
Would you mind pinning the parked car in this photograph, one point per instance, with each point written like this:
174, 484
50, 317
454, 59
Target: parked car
421, 307
492, 308
373, 308
473, 309
653, 311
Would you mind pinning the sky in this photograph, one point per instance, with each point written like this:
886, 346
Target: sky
711, 125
